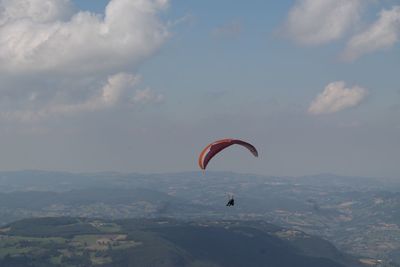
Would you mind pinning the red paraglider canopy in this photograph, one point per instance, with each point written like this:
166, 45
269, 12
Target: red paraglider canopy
214, 148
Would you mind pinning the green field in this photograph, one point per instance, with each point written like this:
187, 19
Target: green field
71, 242
75, 243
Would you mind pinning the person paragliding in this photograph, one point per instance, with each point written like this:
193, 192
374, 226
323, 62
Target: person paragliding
214, 148
231, 202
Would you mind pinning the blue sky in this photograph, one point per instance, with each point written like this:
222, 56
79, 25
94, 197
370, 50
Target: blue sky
313, 84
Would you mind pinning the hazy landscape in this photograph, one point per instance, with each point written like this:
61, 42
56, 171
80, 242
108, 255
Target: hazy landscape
202, 133
360, 216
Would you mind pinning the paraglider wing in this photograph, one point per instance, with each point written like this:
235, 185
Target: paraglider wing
214, 148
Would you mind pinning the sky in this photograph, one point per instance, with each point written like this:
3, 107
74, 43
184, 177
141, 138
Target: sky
144, 85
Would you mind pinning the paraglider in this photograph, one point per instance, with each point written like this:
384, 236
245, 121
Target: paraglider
216, 147
231, 202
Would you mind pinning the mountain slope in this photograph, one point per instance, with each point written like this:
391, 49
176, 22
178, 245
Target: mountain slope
162, 243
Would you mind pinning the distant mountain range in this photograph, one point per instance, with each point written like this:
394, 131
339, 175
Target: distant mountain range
359, 215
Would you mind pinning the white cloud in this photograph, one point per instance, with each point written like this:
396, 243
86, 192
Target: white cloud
38, 11
54, 59
147, 96
35, 35
337, 97
314, 22
108, 96
382, 34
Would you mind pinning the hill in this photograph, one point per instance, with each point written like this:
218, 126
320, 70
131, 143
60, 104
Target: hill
360, 215
162, 242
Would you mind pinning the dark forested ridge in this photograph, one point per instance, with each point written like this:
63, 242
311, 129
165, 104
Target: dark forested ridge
162, 242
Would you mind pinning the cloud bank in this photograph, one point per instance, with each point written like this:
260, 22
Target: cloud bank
314, 22
382, 34
119, 88
68, 54
129, 31
337, 97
